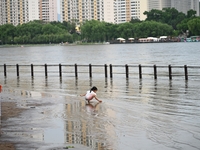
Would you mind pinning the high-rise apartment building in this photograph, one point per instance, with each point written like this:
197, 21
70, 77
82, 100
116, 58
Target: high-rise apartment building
125, 10
122, 11
33, 10
180, 5
119, 11
185, 5
1, 13
158, 4
47, 10
22, 11
14, 11
109, 13
113, 11
81, 10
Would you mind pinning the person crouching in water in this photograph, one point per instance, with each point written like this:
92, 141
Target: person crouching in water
91, 94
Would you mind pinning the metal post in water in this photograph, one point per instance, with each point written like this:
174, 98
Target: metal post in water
5, 70
186, 72
111, 71
76, 69
140, 71
170, 72
127, 71
90, 70
105, 68
45, 66
32, 72
155, 72
17, 69
60, 70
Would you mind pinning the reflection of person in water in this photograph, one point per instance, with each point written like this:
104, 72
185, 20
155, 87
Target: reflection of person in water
91, 108
89, 95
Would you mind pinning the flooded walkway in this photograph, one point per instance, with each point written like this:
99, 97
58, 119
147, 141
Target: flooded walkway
136, 114
133, 115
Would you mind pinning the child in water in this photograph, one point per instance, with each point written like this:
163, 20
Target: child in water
91, 94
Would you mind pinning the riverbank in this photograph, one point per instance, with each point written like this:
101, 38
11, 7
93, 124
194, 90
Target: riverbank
54, 44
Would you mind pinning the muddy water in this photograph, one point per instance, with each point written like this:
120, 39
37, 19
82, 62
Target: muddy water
135, 114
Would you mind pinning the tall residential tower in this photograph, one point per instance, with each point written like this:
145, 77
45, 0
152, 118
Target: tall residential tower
185, 5
113, 11
81, 10
22, 11
14, 11
47, 10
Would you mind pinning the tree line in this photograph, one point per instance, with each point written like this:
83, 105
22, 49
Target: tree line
168, 22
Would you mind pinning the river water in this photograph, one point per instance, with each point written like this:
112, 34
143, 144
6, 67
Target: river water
136, 114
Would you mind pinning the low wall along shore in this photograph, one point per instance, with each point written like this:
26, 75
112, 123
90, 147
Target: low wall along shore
104, 70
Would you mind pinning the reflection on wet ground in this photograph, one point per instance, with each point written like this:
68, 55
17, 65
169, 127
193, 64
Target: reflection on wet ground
134, 114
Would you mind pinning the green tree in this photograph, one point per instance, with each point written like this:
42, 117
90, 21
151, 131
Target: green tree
135, 20
125, 30
32, 29
50, 29
170, 16
93, 31
191, 13
151, 29
7, 33
70, 26
194, 26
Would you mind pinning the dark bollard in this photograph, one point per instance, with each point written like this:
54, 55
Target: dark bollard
186, 72
90, 70
5, 70
155, 72
111, 71
170, 72
76, 69
127, 71
106, 72
32, 72
140, 71
60, 70
17, 69
45, 66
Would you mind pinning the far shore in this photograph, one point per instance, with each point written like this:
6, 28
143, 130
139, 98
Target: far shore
53, 44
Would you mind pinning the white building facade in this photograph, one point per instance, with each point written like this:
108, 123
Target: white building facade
33, 10
22, 11
14, 11
48, 10
1, 13
119, 11
82, 10
112, 11
109, 13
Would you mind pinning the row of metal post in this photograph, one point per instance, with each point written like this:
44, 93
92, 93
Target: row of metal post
105, 70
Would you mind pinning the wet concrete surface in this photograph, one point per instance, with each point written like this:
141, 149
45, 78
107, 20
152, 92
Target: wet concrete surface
133, 115
37, 124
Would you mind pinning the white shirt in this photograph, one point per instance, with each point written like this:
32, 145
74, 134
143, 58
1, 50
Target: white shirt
90, 95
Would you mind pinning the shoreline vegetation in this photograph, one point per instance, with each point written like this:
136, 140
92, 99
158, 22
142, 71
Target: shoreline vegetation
167, 22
